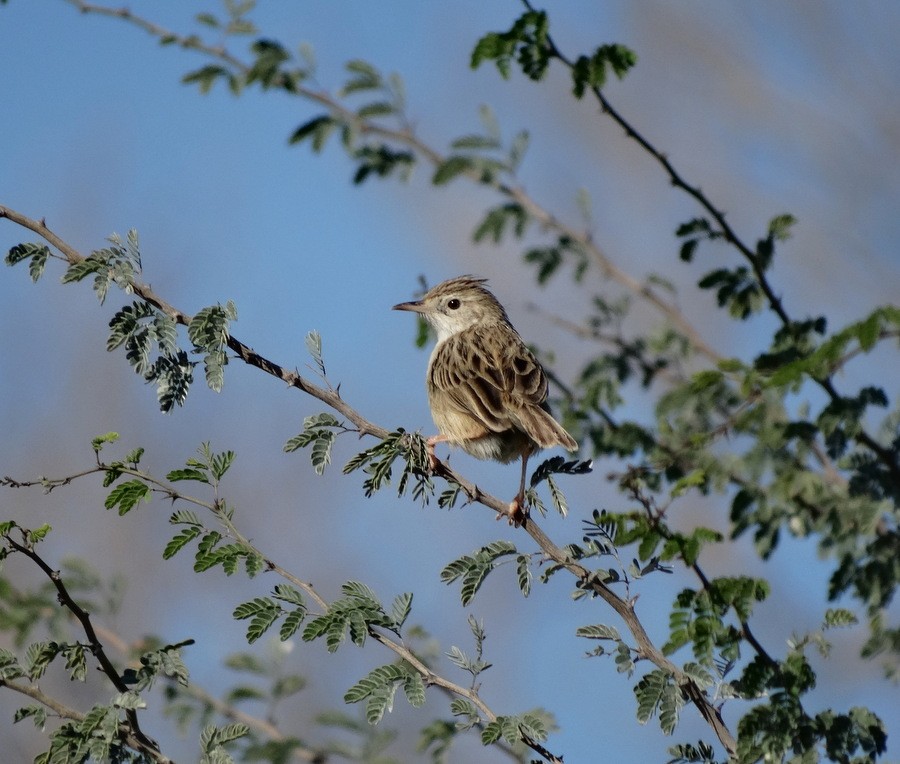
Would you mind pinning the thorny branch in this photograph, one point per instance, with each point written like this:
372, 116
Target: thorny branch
403, 652
624, 608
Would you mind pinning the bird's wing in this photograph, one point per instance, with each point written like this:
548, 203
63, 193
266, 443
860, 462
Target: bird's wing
489, 373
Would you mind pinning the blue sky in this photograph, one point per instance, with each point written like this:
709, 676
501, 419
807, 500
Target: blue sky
770, 108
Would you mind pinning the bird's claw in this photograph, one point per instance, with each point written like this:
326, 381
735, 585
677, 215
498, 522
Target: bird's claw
515, 513
433, 461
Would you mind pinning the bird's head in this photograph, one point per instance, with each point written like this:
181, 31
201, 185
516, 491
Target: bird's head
456, 305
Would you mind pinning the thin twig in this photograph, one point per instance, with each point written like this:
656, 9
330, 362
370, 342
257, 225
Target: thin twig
885, 455
143, 742
406, 137
225, 710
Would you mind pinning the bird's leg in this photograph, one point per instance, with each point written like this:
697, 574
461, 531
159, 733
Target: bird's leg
516, 511
430, 443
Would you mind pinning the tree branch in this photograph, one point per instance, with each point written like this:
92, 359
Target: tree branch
884, 455
624, 609
403, 652
64, 712
141, 740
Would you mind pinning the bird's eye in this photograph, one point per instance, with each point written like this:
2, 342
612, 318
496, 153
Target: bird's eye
453, 304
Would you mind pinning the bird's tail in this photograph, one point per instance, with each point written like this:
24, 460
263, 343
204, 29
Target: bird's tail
544, 430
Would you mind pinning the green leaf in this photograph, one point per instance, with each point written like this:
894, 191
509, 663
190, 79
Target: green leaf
649, 691
206, 76
476, 142
320, 455
98, 442
220, 463
314, 347
381, 161
623, 659
75, 662
452, 167
491, 733
316, 131
836, 617
378, 703
208, 329
598, 631
127, 496
457, 568
557, 497
377, 679
414, 689
129, 700
38, 656
185, 517
21, 252
526, 39
288, 685
366, 77
207, 19
558, 465
523, 574
39, 533
179, 541
517, 149
37, 713
694, 479
287, 593
781, 225
253, 607
400, 608
9, 665
472, 581
187, 473
590, 72
262, 613
463, 707
173, 376
498, 218
498, 549
37, 264
83, 268
375, 109
474, 666
316, 627
291, 623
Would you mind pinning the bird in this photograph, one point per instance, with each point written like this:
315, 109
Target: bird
486, 390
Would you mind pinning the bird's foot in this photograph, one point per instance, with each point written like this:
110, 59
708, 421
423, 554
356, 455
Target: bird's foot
430, 443
515, 513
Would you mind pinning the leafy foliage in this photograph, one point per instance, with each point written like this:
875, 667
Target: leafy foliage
525, 41
377, 462
36, 254
474, 568
591, 71
657, 694
208, 332
356, 614
379, 686
775, 433
319, 431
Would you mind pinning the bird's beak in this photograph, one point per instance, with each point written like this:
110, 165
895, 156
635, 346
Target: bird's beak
415, 307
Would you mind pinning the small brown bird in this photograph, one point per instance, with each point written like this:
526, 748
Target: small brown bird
487, 391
